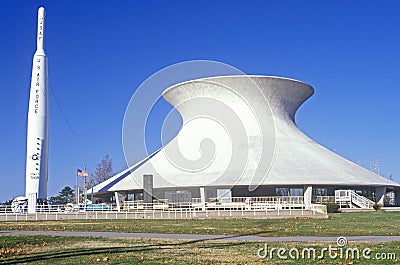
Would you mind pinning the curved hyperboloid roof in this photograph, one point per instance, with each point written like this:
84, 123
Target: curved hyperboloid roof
240, 130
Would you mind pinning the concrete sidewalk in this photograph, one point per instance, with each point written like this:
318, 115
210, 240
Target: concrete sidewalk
249, 238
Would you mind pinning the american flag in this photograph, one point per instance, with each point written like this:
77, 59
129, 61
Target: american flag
82, 173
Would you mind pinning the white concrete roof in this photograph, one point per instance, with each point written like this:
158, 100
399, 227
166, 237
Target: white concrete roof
241, 131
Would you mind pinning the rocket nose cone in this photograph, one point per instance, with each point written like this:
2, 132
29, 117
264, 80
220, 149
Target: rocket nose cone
41, 12
40, 29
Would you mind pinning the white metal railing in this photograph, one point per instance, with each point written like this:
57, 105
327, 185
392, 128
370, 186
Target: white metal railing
270, 202
269, 199
319, 208
258, 203
130, 206
349, 198
361, 201
196, 200
58, 208
324, 199
238, 204
8, 209
176, 213
312, 210
343, 198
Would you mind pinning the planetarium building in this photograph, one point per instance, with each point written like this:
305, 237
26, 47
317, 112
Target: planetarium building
239, 141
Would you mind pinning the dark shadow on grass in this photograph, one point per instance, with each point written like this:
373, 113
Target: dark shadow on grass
114, 250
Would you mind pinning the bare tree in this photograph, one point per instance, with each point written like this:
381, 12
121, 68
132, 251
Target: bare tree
104, 170
125, 166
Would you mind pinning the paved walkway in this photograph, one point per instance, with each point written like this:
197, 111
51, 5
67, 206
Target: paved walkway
203, 237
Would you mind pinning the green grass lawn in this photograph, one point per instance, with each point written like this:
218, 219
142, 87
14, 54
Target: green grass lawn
340, 224
74, 250
88, 250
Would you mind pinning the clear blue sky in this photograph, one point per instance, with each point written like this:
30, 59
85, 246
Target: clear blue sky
101, 51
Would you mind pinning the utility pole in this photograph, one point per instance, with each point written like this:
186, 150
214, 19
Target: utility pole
374, 166
377, 166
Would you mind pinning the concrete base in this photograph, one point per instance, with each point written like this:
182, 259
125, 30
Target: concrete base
390, 209
355, 210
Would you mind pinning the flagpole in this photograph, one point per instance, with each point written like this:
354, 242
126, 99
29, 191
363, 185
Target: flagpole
76, 191
83, 174
84, 187
79, 173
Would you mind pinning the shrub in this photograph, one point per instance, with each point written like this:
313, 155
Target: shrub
332, 207
377, 206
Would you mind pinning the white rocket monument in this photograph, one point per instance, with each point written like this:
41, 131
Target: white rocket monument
38, 123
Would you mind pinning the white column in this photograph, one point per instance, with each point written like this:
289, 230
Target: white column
397, 197
32, 200
380, 193
203, 198
307, 196
118, 197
